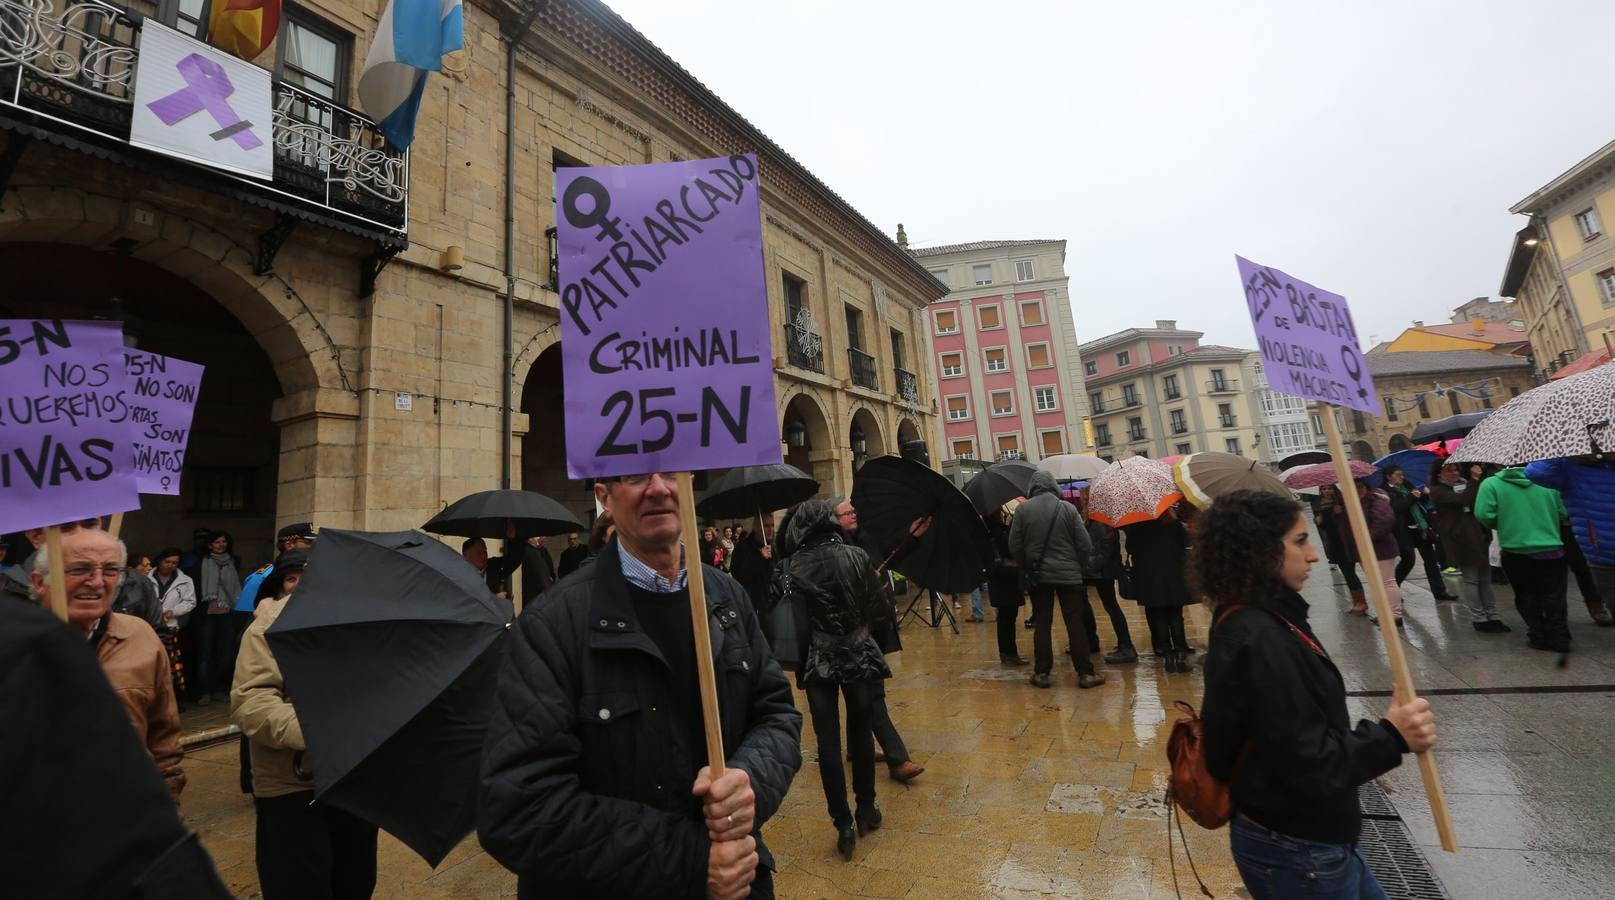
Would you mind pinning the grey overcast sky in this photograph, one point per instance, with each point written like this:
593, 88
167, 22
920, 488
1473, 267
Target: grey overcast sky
1370, 147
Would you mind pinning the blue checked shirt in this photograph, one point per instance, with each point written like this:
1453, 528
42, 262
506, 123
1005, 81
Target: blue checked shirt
646, 578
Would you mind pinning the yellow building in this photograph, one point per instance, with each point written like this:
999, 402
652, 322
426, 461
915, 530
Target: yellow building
1477, 334
1561, 267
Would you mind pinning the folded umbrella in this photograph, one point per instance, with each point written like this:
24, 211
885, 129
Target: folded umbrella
892, 494
1319, 474
389, 650
749, 490
1572, 417
504, 514
1072, 466
1450, 427
999, 482
1303, 458
1203, 477
1131, 490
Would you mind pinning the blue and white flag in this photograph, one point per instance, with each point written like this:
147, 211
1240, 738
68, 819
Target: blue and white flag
410, 42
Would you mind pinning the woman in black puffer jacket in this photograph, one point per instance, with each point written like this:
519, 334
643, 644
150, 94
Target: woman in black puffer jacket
837, 599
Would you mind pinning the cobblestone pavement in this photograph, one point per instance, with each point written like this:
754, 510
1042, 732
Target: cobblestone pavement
1032, 792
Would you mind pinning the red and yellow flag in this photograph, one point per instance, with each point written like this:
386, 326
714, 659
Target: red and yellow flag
243, 27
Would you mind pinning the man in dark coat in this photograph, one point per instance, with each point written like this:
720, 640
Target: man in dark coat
538, 568
892, 749
1050, 544
753, 567
83, 810
593, 776
572, 557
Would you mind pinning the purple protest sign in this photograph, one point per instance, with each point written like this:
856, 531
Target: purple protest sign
162, 398
665, 347
64, 432
1307, 338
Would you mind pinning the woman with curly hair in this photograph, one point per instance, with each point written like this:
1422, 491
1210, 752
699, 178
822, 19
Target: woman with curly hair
1276, 727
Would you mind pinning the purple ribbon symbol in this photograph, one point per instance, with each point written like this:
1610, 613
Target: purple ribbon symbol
207, 86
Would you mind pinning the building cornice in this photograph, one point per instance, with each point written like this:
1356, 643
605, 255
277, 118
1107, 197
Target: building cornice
1578, 176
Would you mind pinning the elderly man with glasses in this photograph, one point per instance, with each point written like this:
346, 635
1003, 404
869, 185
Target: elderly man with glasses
129, 652
593, 783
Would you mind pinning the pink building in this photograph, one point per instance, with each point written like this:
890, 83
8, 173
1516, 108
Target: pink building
1009, 378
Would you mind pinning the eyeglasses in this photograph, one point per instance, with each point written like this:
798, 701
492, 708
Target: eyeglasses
110, 573
642, 480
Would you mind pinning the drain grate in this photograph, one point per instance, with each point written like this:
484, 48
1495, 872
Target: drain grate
1392, 856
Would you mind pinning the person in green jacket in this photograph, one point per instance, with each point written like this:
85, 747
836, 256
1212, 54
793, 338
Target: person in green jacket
1527, 517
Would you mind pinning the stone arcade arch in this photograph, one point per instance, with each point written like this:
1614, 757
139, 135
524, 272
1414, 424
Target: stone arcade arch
809, 445
865, 426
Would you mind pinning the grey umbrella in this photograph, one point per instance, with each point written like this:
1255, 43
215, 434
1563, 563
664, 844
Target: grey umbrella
1561, 418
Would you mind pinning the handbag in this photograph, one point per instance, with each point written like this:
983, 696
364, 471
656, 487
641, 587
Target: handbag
783, 626
1034, 566
1124, 581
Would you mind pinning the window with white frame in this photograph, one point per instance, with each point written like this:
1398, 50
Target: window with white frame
942, 276
958, 408
947, 321
1185, 449
1032, 312
1046, 397
997, 359
1174, 350
1003, 403
990, 317
1290, 437
1037, 356
1169, 385
964, 449
983, 274
1175, 418
1089, 367
953, 365
1124, 358
1233, 445
1009, 446
1023, 270
1588, 223
1606, 285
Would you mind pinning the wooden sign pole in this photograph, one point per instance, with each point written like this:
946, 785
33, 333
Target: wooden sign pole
58, 572
1387, 624
117, 524
705, 673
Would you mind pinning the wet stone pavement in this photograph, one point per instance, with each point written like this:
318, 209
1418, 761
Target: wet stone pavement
1031, 793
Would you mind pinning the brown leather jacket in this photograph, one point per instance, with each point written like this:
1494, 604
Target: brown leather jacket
137, 666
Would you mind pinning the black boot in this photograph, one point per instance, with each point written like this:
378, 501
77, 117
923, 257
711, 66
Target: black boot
846, 841
867, 819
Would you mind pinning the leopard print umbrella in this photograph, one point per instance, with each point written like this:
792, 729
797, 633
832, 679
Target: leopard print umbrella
1573, 417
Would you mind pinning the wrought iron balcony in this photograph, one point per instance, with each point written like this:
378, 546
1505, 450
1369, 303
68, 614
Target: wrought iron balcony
1227, 421
71, 70
864, 373
1222, 386
804, 349
1180, 428
908, 386
1102, 439
1011, 454
1135, 434
1127, 401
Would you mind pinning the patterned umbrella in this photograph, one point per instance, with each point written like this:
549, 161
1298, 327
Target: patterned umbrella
1324, 473
1207, 476
1072, 466
1135, 489
1572, 417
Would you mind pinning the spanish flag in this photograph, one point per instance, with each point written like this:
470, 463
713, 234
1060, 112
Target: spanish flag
243, 27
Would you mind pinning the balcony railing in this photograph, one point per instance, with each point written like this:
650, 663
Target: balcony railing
804, 349
1011, 454
73, 68
1123, 402
908, 386
1135, 434
1180, 428
1227, 421
1102, 440
864, 373
1173, 394
1098, 405
1222, 386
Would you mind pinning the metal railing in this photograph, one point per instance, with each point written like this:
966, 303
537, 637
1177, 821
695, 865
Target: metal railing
73, 69
804, 349
1011, 454
908, 386
1222, 386
1227, 421
1180, 428
1135, 434
864, 373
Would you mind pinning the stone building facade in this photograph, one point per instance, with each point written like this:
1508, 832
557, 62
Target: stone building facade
351, 313
1007, 364
1420, 386
1158, 392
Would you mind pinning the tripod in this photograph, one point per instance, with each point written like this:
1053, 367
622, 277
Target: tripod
939, 609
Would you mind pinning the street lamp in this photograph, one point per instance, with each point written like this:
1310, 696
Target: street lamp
796, 435
859, 446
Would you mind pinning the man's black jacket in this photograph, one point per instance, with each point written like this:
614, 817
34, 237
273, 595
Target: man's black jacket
586, 772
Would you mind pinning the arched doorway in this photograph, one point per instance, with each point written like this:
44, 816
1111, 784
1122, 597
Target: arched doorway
1364, 451
907, 434
808, 443
232, 461
543, 447
864, 438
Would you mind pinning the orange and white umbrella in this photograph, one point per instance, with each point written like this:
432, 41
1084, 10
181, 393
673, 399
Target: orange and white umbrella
1135, 489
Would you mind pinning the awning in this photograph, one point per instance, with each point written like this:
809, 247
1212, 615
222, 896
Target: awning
1589, 361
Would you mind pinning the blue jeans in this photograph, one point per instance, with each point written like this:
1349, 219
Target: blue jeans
1276, 866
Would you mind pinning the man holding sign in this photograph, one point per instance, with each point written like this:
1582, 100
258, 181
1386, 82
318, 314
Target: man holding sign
632, 674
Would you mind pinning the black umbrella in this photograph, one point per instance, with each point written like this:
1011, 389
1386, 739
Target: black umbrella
504, 514
750, 490
389, 650
999, 483
1304, 458
1449, 428
890, 493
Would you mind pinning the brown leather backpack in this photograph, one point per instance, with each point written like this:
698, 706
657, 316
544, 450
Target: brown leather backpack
1192, 788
